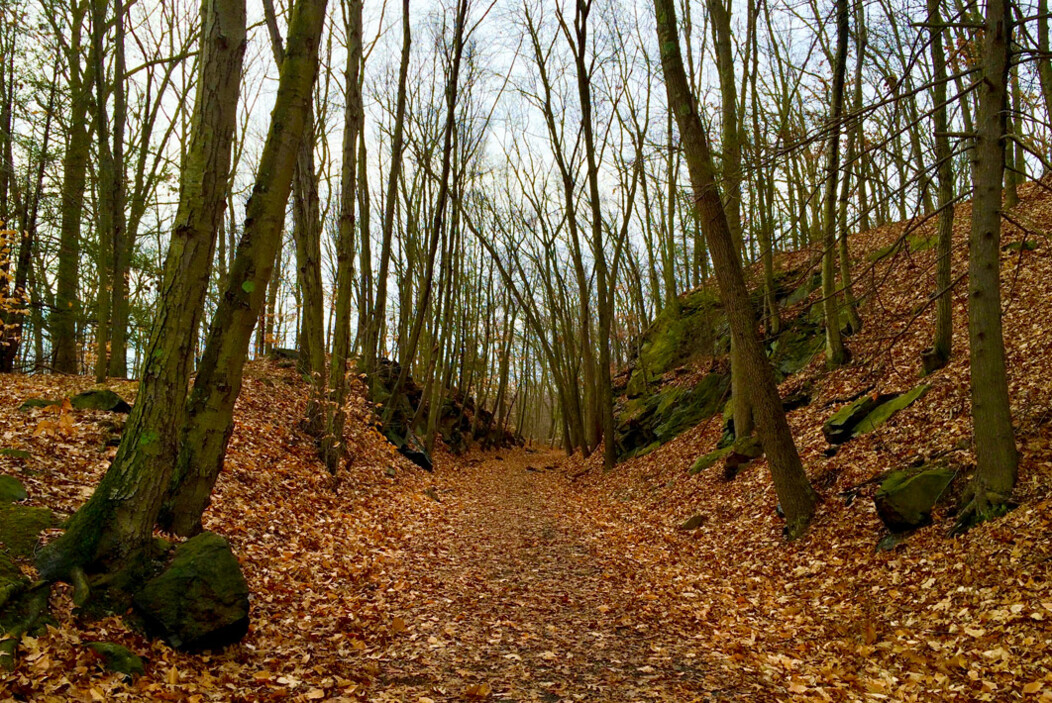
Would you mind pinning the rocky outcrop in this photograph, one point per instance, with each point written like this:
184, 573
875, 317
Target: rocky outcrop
867, 413
118, 659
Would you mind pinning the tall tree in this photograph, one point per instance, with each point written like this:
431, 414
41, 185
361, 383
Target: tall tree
836, 353
210, 421
332, 445
65, 315
109, 531
939, 353
997, 460
794, 491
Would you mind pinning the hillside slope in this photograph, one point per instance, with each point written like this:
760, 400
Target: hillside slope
934, 619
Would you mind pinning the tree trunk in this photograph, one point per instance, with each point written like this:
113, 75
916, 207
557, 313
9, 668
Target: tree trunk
996, 457
791, 484
218, 383
117, 521
74, 168
371, 343
939, 354
836, 353
332, 449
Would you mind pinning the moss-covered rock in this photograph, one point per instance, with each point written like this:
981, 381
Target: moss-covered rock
644, 423
118, 659
692, 523
38, 403
674, 339
741, 453
706, 460
12, 581
841, 426
11, 490
879, 415
200, 600
100, 399
12, 453
20, 528
1021, 245
905, 500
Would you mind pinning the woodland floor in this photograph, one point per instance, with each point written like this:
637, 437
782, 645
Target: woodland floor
526, 576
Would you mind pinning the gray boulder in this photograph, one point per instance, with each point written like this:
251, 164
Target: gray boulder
200, 599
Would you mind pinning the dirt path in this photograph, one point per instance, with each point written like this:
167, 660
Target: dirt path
515, 589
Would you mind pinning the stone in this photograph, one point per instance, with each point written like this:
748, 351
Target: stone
200, 599
706, 460
38, 403
390, 471
11, 490
20, 528
889, 542
415, 451
100, 399
742, 452
118, 659
692, 523
841, 426
879, 415
905, 499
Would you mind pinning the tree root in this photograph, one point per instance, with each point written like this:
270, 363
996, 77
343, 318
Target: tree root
21, 617
983, 505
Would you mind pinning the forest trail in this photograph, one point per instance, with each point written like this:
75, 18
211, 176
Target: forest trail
519, 589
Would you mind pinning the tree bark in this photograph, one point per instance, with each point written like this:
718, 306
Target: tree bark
836, 353
997, 459
332, 448
117, 521
791, 484
942, 343
210, 419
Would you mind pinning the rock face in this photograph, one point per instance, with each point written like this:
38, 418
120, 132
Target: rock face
100, 399
706, 460
647, 422
905, 500
11, 490
200, 600
841, 426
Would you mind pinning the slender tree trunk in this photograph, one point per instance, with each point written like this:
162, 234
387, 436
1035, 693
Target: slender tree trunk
997, 459
939, 354
372, 344
836, 353
218, 383
122, 241
332, 449
791, 484
117, 521
74, 169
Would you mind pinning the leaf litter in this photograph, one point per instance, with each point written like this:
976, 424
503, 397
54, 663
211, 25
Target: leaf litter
565, 583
